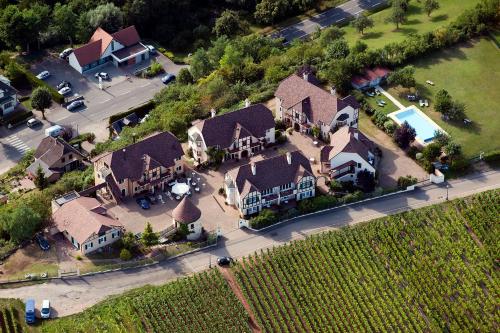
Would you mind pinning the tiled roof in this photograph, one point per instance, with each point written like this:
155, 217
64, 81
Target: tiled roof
271, 172
130, 120
129, 162
82, 220
221, 130
103, 36
344, 140
127, 36
318, 104
50, 150
186, 212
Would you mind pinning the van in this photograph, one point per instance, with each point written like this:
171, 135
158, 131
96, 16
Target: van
30, 311
45, 311
54, 131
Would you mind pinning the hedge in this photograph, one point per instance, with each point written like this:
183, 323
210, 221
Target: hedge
492, 156
17, 118
140, 110
36, 82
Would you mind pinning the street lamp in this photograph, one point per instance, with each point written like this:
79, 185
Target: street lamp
447, 187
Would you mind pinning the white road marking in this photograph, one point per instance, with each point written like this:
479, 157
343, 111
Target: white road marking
15, 142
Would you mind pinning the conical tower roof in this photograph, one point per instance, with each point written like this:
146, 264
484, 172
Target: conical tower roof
186, 212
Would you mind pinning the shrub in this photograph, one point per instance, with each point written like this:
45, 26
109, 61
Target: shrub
265, 218
78, 257
353, 197
389, 127
125, 254
317, 203
379, 119
405, 181
404, 135
492, 156
89, 137
153, 70
431, 152
366, 181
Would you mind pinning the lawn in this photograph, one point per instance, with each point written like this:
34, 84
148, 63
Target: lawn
388, 108
470, 73
418, 22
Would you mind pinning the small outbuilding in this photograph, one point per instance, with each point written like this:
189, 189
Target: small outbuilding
188, 214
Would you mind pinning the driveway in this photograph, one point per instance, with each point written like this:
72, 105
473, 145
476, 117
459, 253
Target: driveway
73, 295
332, 16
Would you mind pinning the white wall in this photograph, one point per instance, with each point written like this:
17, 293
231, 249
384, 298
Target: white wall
74, 63
342, 158
191, 132
95, 241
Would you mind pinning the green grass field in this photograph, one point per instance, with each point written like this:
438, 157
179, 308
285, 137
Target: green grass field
418, 22
470, 73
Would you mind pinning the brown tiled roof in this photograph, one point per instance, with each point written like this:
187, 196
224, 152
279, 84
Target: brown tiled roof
103, 36
127, 36
221, 130
344, 141
186, 212
80, 219
149, 153
271, 172
315, 102
50, 150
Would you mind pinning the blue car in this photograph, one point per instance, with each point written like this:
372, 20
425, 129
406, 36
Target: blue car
42, 242
168, 78
30, 311
143, 203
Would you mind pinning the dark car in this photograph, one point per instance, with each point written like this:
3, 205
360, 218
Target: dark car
168, 78
143, 203
42, 242
63, 84
74, 105
224, 261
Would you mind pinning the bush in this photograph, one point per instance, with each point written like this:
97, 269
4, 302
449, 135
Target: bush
317, 203
389, 127
265, 218
16, 117
140, 111
405, 181
492, 156
353, 197
125, 254
89, 137
379, 119
153, 70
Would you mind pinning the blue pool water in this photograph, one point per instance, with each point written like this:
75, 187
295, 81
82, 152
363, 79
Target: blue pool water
425, 129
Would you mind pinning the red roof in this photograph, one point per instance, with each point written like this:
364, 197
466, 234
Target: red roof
359, 80
128, 36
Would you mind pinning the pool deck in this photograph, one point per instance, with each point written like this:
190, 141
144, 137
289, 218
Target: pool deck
398, 121
391, 98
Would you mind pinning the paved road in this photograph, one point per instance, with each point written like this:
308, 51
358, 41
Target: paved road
73, 295
100, 105
327, 18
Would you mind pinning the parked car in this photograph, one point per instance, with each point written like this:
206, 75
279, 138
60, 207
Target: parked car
43, 75
412, 97
102, 75
63, 84
377, 91
42, 242
143, 203
65, 54
64, 91
369, 93
32, 122
54, 131
29, 312
75, 104
429, 82
379, 103
168, 78
224, 261
45, 311
151, 49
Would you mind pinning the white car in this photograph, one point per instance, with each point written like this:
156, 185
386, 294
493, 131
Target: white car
421, 102
43, 75
33, 122
151, 49
45, 310
426, 103
64, 91
64, 54
429, 82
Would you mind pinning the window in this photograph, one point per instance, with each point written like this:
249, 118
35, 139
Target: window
70, 156
91, 244
155, 174
7, 105
268, 191
359, 165
85, 246
286, 186
62, 160
192, 226
102, 239
179, 168
120, 181
112, 46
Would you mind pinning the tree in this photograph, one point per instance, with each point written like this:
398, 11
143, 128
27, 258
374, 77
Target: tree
315, 131
229, 24
339, 73
267, 11
21, 223
404, 4
457, 111
362, 22
441, 138
128, 240
442, 101
404, 77
430, 6
22, 27
184, 76
125, 254
330, 34
41, 99
452, 149
365, 180
107, 16
359, 47
149, 237
404, 135
405, 181
40, 179
431, 151
398, 14
64, 21
338, 49
200, 64
215, 155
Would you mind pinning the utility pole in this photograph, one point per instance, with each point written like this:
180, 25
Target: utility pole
447, 187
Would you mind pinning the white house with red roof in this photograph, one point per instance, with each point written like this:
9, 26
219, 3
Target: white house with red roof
122, 48
370, 78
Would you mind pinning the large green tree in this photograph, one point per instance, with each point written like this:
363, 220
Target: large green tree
64, 20
200, 64
106, 16
41, 99
338, 49
40, 179
398, 14
404, 77
430, 6
149, 237
230, 24
362, 22
21, 223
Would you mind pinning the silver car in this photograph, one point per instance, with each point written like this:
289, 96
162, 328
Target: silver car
43, 75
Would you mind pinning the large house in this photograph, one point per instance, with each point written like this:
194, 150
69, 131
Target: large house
348, 153
238, 134
55, 157
370, 78
147, 165
303, 105
267, 182
122, 48
8, 97
84, 222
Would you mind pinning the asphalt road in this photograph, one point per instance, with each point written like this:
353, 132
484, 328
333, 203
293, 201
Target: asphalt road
332, 16
72, 295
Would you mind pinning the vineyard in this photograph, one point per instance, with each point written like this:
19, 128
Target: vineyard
202, 303
12, 317
428, 270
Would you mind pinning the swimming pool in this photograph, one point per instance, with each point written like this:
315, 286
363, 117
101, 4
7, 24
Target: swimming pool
423, 125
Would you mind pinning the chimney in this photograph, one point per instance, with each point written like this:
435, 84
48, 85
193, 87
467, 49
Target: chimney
247, 102
333, 91
212, 112
289, 158
305, 76
254, 169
